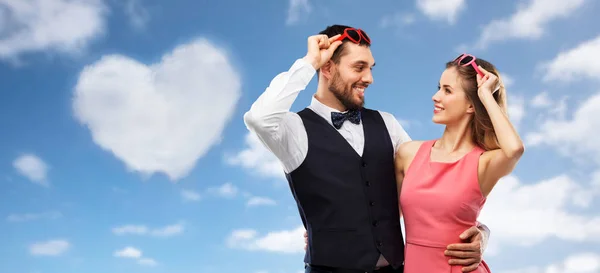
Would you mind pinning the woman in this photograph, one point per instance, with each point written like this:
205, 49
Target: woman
444, 183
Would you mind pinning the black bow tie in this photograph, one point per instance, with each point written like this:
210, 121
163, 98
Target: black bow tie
338, 118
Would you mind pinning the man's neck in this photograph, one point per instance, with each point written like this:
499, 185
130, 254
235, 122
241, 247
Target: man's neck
327, 98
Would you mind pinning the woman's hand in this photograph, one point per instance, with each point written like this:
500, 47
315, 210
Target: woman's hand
488, 84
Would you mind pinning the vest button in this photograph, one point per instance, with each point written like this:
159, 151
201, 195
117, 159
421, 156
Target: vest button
368, 183
379, 243
372, 203
364, 164
375, 223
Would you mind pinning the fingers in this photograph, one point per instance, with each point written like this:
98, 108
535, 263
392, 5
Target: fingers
483, 70
305, 240
334, 46
470, 268
317, 40
472, 231
322, 41
471, 262
333, 38
467, 254
473, 246
479, 80
487, 74
462, 254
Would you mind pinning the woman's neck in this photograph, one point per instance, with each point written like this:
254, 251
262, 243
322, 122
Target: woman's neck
456, 138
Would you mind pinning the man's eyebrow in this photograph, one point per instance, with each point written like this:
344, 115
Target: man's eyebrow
362, 63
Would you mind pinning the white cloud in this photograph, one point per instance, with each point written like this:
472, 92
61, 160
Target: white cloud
584, 262
49, 248
63, 26
130, 229
33, 216
575, 137
507, 80
297, 9
260, 201
147, 262
32, 167
161, 117
408, 124
135, 254
286, 241
516, 109
528, 22
533, 220
167, 231
554, 108
128, 252
397, 20
227, 190
138, 14
445, 10
190, 195
257, 159
580, 62
541, 100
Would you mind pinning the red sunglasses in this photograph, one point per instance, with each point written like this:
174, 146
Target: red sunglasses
355, 35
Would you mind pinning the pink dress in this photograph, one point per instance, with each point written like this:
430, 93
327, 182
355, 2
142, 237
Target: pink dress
439, 201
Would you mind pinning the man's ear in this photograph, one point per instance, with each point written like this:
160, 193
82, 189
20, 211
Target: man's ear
326, 69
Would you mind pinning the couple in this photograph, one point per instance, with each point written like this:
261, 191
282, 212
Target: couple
354, 171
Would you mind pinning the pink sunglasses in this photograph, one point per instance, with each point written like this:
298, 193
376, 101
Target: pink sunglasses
468, 59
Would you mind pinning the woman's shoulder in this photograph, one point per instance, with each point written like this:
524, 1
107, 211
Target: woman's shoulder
409, 148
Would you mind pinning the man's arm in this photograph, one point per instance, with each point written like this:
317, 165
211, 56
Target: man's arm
470, 253
269, 117
397, 133
486, 235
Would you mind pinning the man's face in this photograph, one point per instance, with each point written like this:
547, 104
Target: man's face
351, 76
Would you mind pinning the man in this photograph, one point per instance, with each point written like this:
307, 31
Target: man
338, 158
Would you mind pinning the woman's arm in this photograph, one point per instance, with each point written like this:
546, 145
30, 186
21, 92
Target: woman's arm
500, 162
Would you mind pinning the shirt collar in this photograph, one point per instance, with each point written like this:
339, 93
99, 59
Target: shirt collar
322, 109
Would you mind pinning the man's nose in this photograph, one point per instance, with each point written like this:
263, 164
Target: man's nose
368, 77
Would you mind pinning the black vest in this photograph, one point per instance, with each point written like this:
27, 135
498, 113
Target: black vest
348, 203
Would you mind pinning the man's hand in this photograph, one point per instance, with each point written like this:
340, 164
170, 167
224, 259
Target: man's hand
468, 254
320, 49
305, 240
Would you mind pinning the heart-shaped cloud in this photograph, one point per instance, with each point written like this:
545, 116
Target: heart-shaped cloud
163, 117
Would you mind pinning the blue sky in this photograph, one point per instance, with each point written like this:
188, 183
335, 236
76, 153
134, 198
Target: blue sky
123, 147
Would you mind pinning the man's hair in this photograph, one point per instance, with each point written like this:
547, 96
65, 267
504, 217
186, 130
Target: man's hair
333, 30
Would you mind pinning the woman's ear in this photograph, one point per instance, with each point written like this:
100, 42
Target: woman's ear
471, 109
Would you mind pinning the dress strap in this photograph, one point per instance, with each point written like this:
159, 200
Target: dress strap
422, 155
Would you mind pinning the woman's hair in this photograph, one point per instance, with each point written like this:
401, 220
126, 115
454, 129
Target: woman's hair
482, 129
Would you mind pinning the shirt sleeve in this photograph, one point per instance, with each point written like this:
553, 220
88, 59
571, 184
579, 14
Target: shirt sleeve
397, 132
269, 117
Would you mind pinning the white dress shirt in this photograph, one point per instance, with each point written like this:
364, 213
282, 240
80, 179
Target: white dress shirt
282, 131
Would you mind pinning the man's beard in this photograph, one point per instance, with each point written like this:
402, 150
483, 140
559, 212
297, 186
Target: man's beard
344, 93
